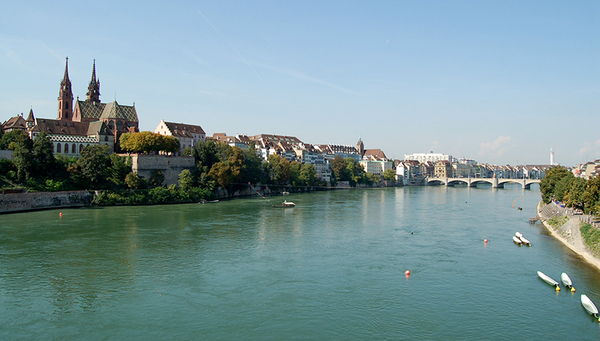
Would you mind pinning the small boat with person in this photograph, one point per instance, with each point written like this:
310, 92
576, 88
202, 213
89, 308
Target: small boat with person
566, 281
285, 203
589, 306
548, 280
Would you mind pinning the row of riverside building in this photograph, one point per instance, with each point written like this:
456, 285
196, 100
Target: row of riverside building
81, 123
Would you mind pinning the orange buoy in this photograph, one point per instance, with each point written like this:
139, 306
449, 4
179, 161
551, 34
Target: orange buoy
485, 241
407, 272
60, 214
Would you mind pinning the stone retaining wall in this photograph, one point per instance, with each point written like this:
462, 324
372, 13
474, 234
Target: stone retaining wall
171, 166
43, 200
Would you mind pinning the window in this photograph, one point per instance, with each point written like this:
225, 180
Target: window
66, 148
74, 149
58, 148
80, 148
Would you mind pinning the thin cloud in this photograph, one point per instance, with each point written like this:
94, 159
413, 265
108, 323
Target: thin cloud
496, 148
590, 149
302, 76
10, 54
230, 44
56, 55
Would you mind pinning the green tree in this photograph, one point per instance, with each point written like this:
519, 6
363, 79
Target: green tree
187, 151
338, 168
186, 180
120, 166
550, 181
134, 181
148, 142
308, 175
43, 156
94, 164
295, 174
278, 169
253, 165
22, 159
591, 196
17, 136
574, 193
389, 175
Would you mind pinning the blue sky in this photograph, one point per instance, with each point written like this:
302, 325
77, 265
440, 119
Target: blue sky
500, 82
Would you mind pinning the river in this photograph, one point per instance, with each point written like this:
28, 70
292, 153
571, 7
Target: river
332, 268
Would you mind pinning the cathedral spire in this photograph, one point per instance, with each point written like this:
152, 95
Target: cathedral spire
93, 94
65, 96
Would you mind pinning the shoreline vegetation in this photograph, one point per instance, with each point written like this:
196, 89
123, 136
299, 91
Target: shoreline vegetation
218, 167
569, 210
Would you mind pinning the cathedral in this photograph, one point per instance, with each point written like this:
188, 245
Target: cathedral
83, 123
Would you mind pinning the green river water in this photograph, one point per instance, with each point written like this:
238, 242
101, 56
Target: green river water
332, 268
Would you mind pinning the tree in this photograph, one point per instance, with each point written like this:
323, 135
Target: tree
253, 165
207, 154
574, 193
120, 166
278, 169
550, 181
389, 175
295, 173
186, 179
591, 195
338, 167
16, 136
148, 142
134, 181
229, 172
22, 159
94, 164
308, 175
187, 151
43, 155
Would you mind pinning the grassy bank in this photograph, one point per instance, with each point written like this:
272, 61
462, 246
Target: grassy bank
591, 236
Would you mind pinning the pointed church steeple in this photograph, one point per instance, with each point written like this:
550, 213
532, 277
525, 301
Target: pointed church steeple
65, 96
93, 94
30, 121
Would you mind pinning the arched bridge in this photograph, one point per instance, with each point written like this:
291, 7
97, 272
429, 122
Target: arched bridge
472, 182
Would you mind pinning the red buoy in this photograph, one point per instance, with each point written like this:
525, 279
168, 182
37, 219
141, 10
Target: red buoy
485, 241
407, 272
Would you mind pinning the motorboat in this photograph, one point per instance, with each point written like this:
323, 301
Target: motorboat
285, 203
589, 306
548, 280
518, 234
517, 240
566, 281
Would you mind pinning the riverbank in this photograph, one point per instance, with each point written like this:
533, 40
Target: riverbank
568, 233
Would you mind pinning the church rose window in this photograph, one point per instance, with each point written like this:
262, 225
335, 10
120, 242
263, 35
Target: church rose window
58, 148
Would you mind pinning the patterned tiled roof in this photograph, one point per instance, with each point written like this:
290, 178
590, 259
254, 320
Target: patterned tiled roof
374, 154
115, 110
90, 109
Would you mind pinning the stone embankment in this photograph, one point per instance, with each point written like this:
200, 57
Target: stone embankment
19, 202
569, 233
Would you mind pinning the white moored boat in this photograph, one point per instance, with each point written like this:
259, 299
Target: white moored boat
518, 234
525, 241
548, 280
517, 240
566, 281
589, 306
